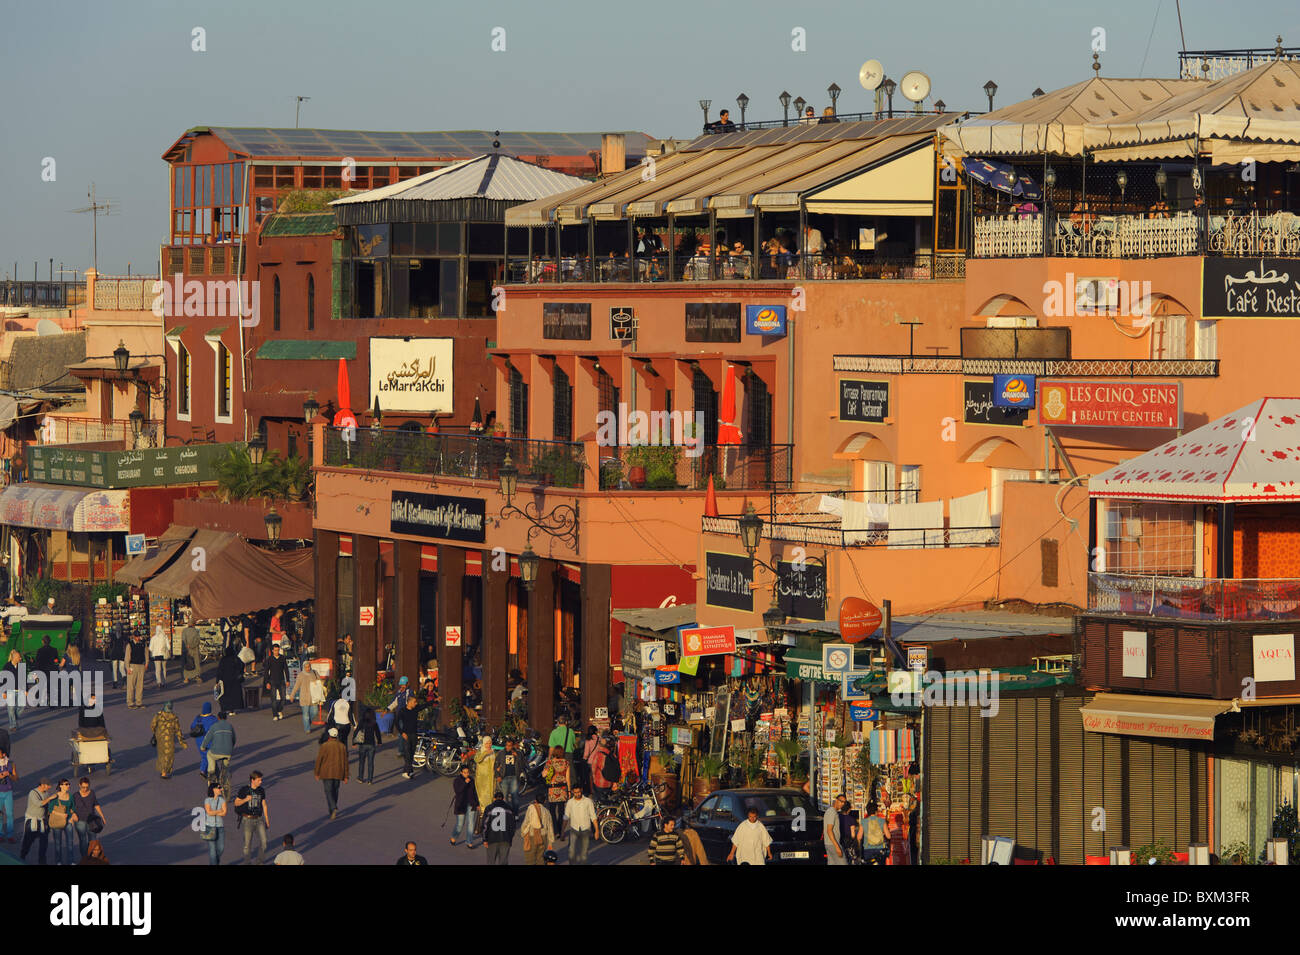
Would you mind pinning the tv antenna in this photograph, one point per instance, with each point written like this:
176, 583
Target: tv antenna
296, 106
96, 209
915, 86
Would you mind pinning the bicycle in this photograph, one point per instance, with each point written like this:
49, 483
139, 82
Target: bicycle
221, 771
633, 809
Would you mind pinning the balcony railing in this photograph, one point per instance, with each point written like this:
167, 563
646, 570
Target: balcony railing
1047, 368
552, 463
85, 430
125, 293
729, 267
830, 535
1194, 598
671, 467
1138, 236
42, 294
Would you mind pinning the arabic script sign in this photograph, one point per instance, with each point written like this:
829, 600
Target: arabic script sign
1250, 288
147, 467
411, 374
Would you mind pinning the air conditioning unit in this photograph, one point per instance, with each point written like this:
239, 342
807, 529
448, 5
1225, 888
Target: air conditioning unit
1132, 528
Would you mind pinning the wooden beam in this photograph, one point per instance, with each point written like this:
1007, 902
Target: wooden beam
406, 613
596, 590
541, 650
365, 560
451, 577
496, 637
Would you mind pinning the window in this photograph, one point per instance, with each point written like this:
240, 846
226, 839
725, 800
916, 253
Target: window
706, 403
758, 411
880, 482
1150, 538
909, 483
1207, 340
224, 381
563, 401
311, 302
518, 405
275, 305
205, 202
1169, 337
183, 375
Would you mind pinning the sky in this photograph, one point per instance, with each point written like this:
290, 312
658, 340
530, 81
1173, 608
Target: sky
103, 88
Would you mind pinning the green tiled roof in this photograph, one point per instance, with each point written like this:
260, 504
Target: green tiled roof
302, 223
290, 349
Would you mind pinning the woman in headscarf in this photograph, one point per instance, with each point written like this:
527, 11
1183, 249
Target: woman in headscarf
94, 854
159, 650
191, 660
166, 727
199, 729
230, 674
485, 772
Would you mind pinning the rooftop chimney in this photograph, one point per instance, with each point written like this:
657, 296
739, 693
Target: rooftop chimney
613, 153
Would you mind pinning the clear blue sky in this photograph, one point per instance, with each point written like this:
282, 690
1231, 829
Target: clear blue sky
105, 87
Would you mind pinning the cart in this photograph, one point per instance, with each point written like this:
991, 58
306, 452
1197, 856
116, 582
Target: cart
90, 748
27, 633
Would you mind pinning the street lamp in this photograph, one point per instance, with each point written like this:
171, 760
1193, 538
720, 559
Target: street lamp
136, 418
704, 105
376, 416
990, 90
1049, 177
508, 476
310, 408
1162, 179
751, 529
773, 618
785, 106
742, 101
889, 86
256, 449
940, 106
1121, 180
528, 564
798, 107
121, 357
273, 522
834, 91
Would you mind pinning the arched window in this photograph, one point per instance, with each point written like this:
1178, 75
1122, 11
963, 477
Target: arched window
275, 306
311, 302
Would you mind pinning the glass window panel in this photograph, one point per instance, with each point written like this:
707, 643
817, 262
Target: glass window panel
426, 239
205, 186
187, 185
237, 184
401, 287
450, 291
176, 185
425, 278
448, 238
478, 289
486, 239
401, 238
372, 241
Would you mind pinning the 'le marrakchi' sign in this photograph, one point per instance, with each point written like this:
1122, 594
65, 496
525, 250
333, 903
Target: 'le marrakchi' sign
439, 515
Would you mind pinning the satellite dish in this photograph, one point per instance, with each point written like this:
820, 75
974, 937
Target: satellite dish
915, 86
47, 327
871, 74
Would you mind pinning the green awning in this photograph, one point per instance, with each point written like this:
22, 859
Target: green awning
290, 349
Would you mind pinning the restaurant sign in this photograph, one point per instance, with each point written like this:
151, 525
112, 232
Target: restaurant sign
727, 580
1250, 288
1110, 403
1135, 655
978, 407
1139, 724
147, 467
864, 400
438, 515
801, 590
1274, 657
567, 321
411, 374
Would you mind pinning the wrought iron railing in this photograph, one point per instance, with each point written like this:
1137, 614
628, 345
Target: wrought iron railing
673, 467
898, 538
852, 264
1194, 598
1222, 63
1047, 368
553, 463
59, 430
42, 294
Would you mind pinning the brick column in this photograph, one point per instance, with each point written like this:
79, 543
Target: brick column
325, 628
596, 587
451, 577
541, 650
496, 638
405, 608
365, 557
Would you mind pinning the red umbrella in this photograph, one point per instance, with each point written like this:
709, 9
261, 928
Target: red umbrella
728, 432
344, 416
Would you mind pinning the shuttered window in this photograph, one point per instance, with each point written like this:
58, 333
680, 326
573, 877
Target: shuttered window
1048, 550
563, 405
518, 405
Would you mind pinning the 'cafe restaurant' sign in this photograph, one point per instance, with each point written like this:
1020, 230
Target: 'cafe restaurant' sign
1250, 288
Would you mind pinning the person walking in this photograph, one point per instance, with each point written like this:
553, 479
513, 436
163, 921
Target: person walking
277, 681
219, 744
875, 841
159, 650
695, 854
85, 807
289, 855
537, 831
564, 737
214, 828
254, 816
199, 729
511, 769
8, 776
464, 803
896, 830
191, 656
368, 738
751, 843
136, 659
408, 728
14, 696
117, 655
498, 830
60, 822
411, 857
34, 828
340, 718
332, 769
835, 854
230, 680
310, 693
47, 659
666, 846
580, 818
166, 728
485, 769
556, 776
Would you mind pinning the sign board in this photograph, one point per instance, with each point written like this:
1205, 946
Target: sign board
854, 687
1250, 288
667, 676
134, 545
622, 323
146, 467
601, 713
648, 690
859, 619
681, 735
765, 319
708, 641
727, 581
837, 659
801, 593
411, 374
438, 515
864, 714
367, 616
904, 682
1110, 403
864, 400
567, 321
713, 321
738, 726
1274, 657
918, 658
1135, 655
978, 407
654, 653
453, 636
1013, 391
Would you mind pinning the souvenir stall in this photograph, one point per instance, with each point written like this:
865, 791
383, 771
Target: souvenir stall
130, 612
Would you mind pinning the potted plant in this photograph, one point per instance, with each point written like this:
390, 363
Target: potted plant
787, 753
666, 778
377, 698
707, 770
654, 465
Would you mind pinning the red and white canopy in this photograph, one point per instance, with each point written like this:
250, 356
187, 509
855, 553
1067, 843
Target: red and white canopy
1252, 454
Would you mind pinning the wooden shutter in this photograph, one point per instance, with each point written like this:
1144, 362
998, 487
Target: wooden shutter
1075, 820
1141, 792
1048, 549
1003, 781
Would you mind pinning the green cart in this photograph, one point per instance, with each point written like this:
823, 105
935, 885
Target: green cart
28, 632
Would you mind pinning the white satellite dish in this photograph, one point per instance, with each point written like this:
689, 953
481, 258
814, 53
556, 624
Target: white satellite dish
915, 86
47, 327
871, 74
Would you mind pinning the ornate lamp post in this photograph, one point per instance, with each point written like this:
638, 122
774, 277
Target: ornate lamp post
560, 522
742, 101
785, 107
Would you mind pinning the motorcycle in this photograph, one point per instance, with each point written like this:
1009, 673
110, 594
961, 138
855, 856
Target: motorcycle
439, 752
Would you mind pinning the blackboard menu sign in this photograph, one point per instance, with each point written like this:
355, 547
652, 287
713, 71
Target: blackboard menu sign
439, 515
864, 400
713, 321
1250, 288
570, 321
727, 581
801, 593
978, 408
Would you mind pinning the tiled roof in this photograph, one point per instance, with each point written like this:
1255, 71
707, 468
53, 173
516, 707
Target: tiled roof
303, 223
290, 349
41, 362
